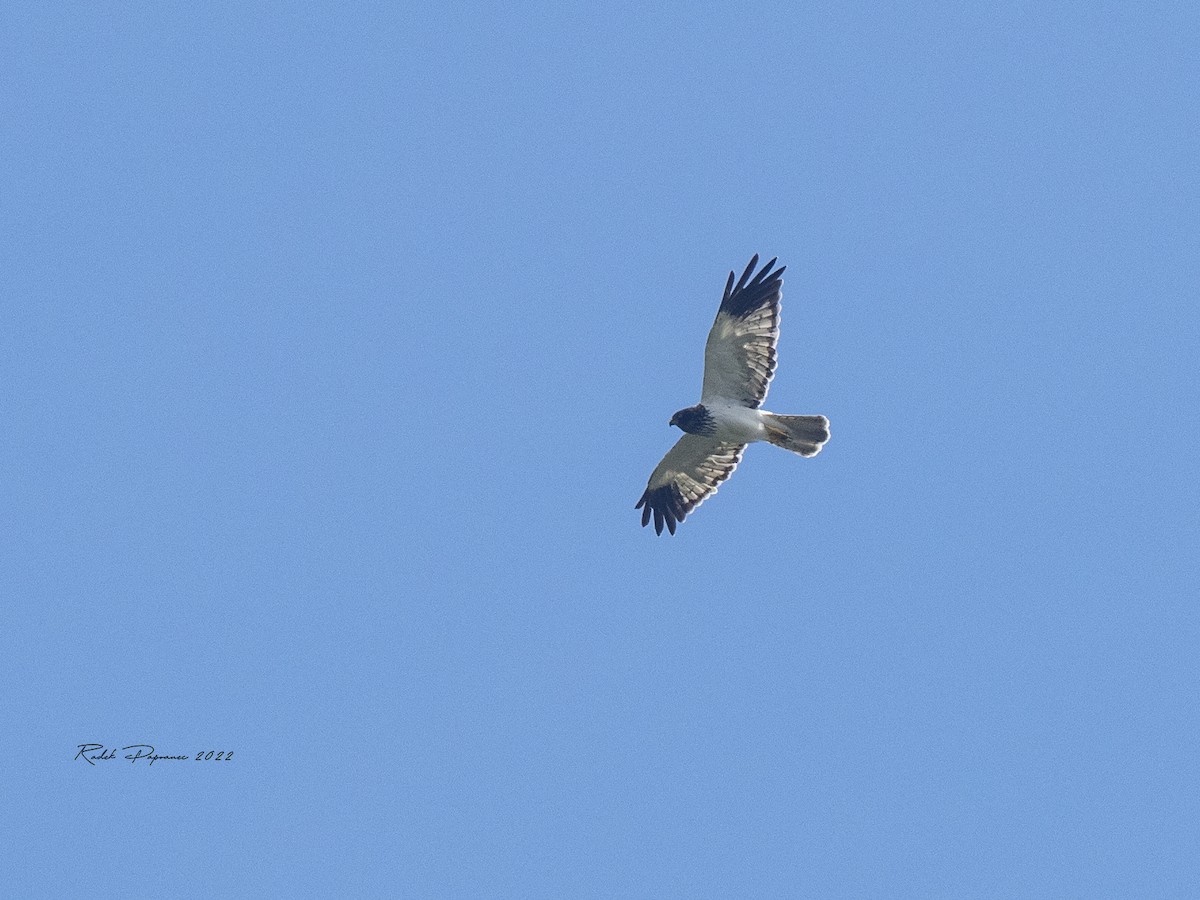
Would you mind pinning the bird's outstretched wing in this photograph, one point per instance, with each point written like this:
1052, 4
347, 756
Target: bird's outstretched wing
687, 475
739, 358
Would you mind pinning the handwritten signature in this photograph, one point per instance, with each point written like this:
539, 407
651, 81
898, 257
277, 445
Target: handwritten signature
93, 753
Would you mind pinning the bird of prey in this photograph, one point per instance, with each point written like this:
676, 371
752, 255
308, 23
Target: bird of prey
739, 361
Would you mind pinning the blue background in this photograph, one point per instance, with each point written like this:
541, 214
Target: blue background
339, 341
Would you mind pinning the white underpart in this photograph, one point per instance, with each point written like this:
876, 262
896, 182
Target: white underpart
737, 424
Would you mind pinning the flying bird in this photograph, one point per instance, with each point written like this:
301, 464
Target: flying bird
739, 362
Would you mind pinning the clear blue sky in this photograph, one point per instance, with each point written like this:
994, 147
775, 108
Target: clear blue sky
340, 339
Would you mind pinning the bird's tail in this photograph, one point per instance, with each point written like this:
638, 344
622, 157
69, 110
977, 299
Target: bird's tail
805, 435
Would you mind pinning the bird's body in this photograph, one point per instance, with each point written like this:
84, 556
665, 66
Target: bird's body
739, 362
725, 422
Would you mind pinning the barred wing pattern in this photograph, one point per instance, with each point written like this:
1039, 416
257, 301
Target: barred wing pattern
686, 477
739, 358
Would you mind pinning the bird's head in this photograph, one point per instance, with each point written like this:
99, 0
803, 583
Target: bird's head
694, 420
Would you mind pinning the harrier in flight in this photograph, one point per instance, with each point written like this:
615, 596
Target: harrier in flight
739, 361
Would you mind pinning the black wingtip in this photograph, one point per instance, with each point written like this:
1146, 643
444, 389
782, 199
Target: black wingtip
764, 273
752, 293
746, 274
665, 505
